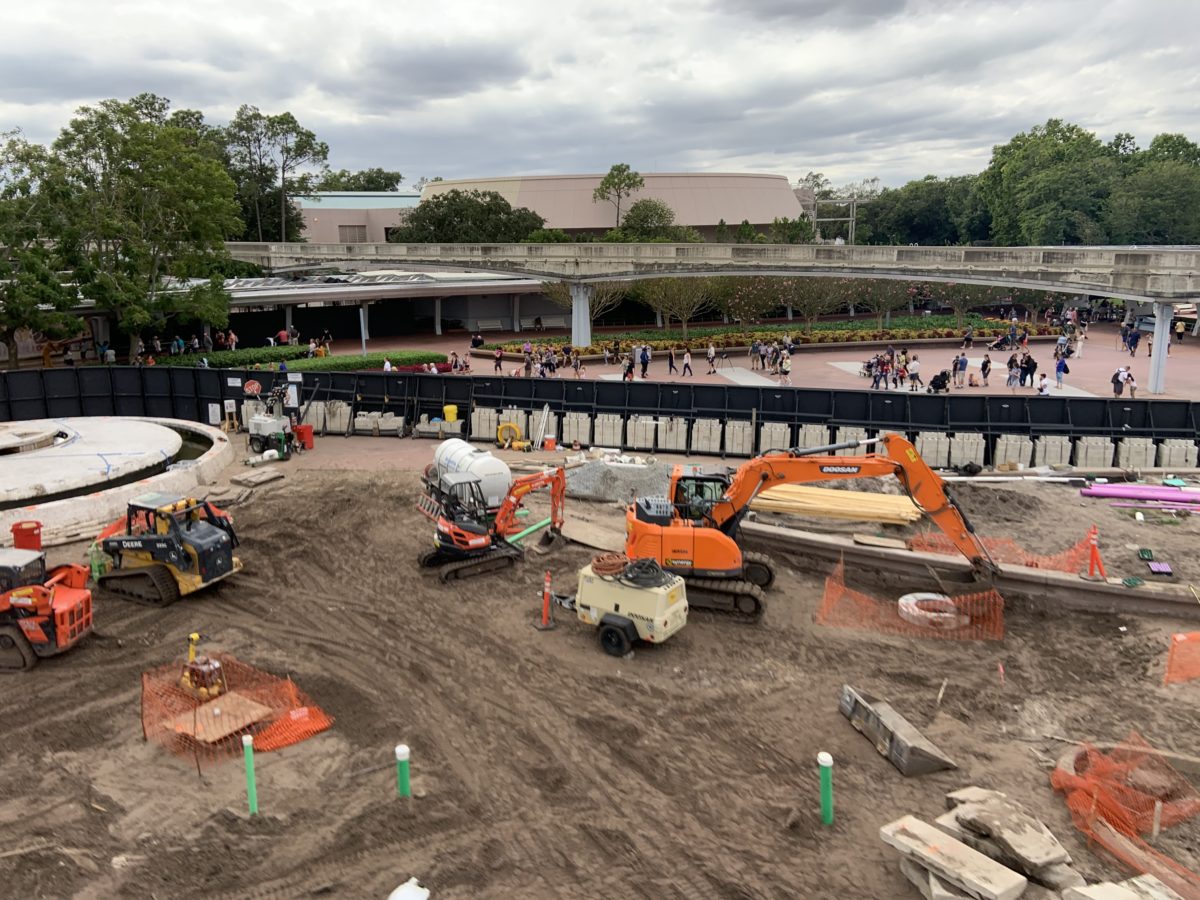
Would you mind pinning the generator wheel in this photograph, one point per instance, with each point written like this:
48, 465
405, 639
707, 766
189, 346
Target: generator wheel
614, 641
16, 655
256, 444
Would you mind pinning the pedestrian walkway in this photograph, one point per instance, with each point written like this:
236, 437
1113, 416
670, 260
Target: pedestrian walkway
998, 372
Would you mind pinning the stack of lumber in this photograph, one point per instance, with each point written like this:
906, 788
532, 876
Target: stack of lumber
826, 503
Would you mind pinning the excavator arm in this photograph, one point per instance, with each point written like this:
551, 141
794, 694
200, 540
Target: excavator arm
554, 479
801, 466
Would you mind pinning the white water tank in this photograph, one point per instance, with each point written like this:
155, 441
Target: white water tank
495, 478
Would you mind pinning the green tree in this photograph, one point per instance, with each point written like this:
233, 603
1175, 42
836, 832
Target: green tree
810, 298
290, 147
467, 217
961, 298
1173, 148
676, 298
1048, 186
792, 231
147, 203
620, 182
746, 299
366, 180
745, 233
879, 296
1157, 204
32, 294
721, 235
648, 219
820, 185
606, 296
547, 236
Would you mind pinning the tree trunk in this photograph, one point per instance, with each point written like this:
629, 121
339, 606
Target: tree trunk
283, 204
14, 360
258, 217
683, 325
134, 339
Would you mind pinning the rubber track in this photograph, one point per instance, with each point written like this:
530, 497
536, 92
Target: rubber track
762, 559
468, 568
721, 592
149, 585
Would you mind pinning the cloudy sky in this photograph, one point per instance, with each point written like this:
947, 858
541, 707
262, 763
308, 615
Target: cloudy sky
853, 88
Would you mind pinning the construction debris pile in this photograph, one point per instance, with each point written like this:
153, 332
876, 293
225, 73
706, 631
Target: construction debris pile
618, 481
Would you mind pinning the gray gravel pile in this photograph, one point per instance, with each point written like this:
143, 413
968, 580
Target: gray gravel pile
598, 480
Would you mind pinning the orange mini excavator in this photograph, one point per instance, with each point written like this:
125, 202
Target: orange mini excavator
694, 532
471, 539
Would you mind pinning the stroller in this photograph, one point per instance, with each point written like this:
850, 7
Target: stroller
939, 383
868, 368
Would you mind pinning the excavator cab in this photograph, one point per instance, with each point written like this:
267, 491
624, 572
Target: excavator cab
696, 490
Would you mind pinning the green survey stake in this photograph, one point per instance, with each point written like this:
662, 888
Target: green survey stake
825, 761
251, 785
403, 788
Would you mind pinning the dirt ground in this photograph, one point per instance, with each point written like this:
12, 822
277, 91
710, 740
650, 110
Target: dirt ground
541, 766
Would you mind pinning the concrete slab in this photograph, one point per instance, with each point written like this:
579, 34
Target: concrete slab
952, 860
1144, 887
1021, 835
930, 886
257, 477
972, 794
893, 736
20, 437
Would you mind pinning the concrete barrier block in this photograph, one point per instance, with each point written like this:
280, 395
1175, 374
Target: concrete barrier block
952, 860
934, 447
967, 447
577, 427
1013, 448
850, 433
337, 416
739, 438
673, 434
1177, 453
1052, 450
484, 420
894, 736
813, 436
774, 436
706, 436
608, 430
1135, 453
640, 432
1093, 452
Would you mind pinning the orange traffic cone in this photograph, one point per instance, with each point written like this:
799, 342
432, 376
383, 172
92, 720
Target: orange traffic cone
1095, 563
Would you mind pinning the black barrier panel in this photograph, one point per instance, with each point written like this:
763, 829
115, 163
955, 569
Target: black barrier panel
342, 386
5, 411
1089, 415
518, 392
708, 401
129, 392
1006, 413
676, 400
579, 396
95, 385
62, 392
966, 413
548, 390
742, 402
156, 389
927, 412
26, 394
183, 389
208, 391
814, 406
1171, 418
777, 405
851, 407
888, 408
610, 397
642, 398
1130, 417
487, 391
1049, 415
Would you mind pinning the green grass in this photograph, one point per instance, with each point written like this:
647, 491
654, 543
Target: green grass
297, 359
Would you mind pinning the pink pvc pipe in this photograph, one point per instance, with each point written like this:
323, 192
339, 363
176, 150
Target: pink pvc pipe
1141, 492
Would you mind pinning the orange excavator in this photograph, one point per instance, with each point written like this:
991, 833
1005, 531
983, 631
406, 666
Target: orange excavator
694, 532
471, 539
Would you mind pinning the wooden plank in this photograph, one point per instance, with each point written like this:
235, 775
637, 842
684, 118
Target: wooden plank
220, 718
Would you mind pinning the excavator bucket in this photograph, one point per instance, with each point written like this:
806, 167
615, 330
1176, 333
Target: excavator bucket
893, 735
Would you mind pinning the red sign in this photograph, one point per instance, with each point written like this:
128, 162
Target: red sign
252, 388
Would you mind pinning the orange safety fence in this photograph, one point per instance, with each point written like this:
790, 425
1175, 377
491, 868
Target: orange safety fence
1006, 550
968, 617
251, 701
1117, 796
1183, 659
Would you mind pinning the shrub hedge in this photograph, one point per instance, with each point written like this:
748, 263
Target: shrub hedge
269, 358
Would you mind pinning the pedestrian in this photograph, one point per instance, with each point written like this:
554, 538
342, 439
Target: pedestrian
208, 342
1118, 382
878, 372
606, 356
1179, 330
194, 344
785, 369
762, 355
985, 368
528, 361
1025, 338
969, 337
671, 360
577, 364
312, 348
615, 348
281, 337
1135, 335
1014, 373
527, 347
231, 339
283, 366
498, 365
914, 373
753, 354
1060, 369
1131, 383
453, 360
387, 364
1012, 334
645, 361
962, 370
687, 362
1125, 335
627, 373
711, 356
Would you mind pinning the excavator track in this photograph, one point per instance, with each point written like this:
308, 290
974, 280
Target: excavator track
148, 585
450, 568
741, 600
758, 568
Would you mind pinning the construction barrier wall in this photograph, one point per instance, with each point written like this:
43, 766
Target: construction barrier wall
335, 400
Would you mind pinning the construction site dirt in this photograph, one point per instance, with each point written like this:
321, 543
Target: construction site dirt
542, 767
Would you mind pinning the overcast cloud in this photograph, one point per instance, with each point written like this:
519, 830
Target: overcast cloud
896, 89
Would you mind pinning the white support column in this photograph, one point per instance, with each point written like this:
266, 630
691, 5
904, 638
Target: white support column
1163, 313
287, 320
789, 312
365, 321
581, 314
516, 312
658, 318
437, 315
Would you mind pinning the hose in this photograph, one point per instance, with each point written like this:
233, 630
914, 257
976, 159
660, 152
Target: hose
640, 573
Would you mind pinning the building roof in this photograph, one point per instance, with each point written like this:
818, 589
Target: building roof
359, 200
698, 198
